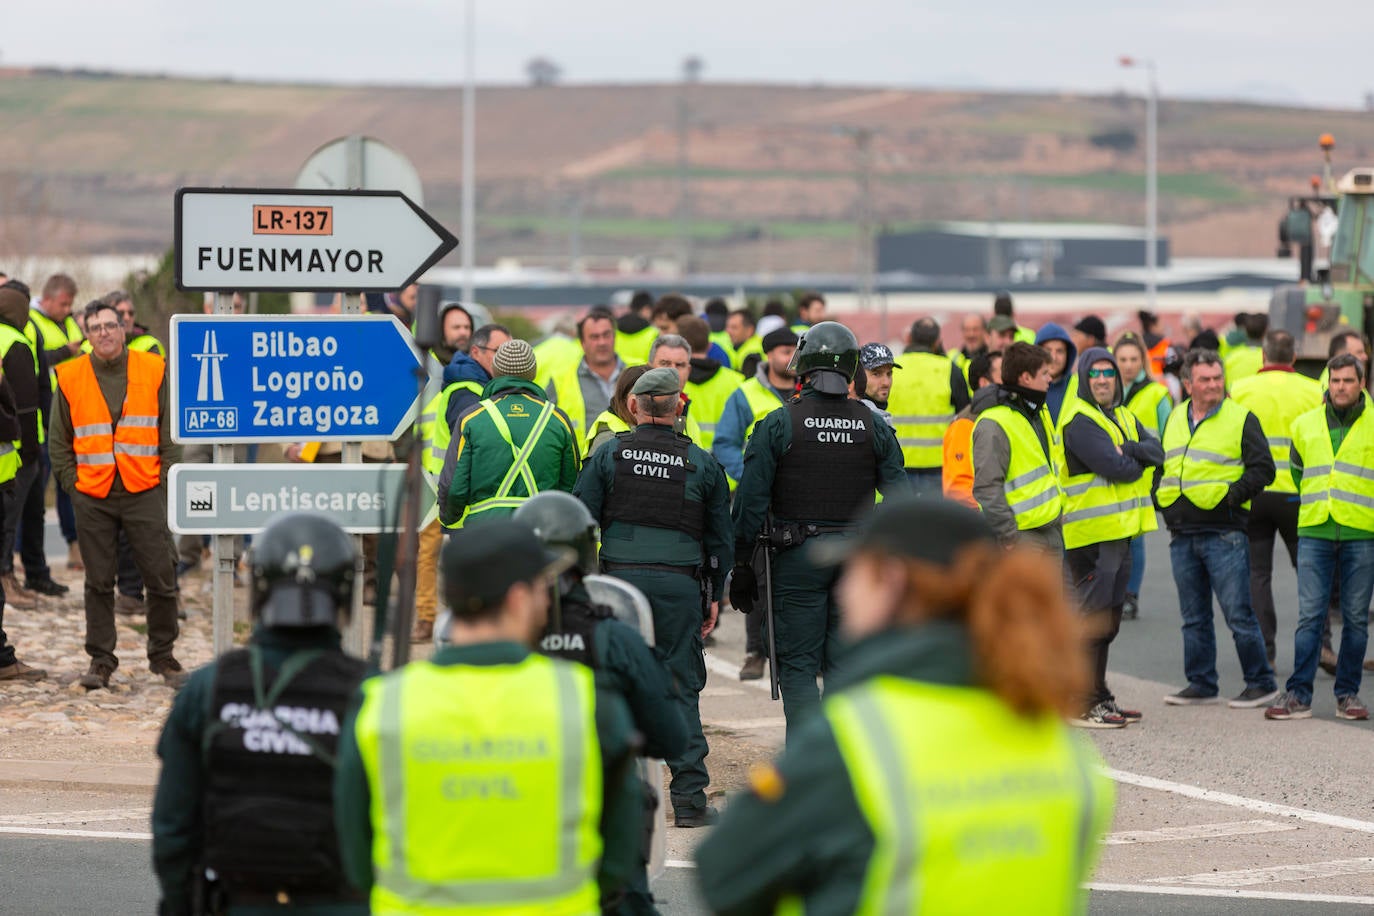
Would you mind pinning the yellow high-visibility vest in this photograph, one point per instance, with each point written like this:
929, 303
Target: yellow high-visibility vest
1202, 464
1278, 399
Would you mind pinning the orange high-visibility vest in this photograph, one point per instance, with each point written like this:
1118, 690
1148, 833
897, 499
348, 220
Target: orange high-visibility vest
101, 445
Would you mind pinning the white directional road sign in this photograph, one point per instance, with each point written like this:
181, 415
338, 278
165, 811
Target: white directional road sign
240, 498
303, 240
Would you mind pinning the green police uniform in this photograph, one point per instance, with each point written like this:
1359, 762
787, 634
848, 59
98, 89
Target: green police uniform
664, 509
179, 806
822, 479
842, 823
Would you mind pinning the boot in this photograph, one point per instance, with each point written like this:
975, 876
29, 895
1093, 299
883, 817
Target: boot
18, 671
752, 669
17, 595
128, 605
96, 676
74, 561
423, 632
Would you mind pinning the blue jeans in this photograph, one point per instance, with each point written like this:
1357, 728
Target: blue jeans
1217, 562
926, 481
1318, 561
1137, 565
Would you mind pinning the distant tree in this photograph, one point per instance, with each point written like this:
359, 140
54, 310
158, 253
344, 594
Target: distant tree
692, 68
543, 72
1123, 141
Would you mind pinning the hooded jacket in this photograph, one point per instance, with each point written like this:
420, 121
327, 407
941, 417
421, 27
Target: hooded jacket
1088, 448
463, 368
21, 372
1059, 388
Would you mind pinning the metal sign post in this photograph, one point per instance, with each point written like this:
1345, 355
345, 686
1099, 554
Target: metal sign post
222, 545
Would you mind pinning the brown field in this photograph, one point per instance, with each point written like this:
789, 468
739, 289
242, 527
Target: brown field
89, 163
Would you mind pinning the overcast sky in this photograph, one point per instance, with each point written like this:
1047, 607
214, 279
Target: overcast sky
1256, 49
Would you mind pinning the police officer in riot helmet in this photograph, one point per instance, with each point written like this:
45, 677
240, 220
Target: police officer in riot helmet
810, 472
243, 816
582, 631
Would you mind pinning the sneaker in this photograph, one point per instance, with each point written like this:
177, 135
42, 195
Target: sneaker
1328, 661
752, 669
1100, 716
701, 817
1191, 696
1254, 697
1287, 706
74, 561
46, 587
172, 673
1351, 708
18, 671
1130, 715
17, 595
1130, 610
97, 676
128, 605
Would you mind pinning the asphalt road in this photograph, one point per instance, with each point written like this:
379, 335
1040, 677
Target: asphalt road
1218, 812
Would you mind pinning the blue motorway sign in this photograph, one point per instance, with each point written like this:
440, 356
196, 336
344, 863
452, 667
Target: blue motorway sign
291, 378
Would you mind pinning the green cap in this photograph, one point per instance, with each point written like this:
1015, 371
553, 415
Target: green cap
656, 382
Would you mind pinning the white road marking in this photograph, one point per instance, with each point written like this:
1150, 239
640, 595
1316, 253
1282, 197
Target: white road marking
1225, 892
75, 817
746, 724
85, 834
1196, 832
679, 863
1240, 801
721, 666
721, 692
1273, 875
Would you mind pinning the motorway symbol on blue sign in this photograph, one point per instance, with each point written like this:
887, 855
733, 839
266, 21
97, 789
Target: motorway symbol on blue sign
241, 498
291, 378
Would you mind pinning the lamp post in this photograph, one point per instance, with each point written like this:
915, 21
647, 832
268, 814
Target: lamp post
467, 247
1151, 178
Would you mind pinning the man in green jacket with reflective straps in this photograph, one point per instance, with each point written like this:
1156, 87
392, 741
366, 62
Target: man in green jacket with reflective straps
664, 510
1330, 462
489, 779
928, 389
1015, 480
513, 446
1106, 481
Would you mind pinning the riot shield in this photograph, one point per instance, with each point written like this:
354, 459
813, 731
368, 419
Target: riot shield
631, 608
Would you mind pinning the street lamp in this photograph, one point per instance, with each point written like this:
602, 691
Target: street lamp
1151, 179
468, 244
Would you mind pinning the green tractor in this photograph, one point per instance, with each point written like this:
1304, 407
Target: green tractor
1336, 281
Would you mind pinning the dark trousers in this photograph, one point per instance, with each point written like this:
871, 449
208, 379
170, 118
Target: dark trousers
1100, 573
807, 630
676, 603
6, 650
756, 632
1272, 516
25, 481
143, 517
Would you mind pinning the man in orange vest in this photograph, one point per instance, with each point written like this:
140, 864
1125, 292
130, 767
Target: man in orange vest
111, 447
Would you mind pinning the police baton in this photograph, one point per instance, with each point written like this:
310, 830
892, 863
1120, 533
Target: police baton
765, 547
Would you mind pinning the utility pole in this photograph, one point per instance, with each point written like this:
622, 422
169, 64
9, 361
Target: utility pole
684, 206
468, 242
864, 236
1151, 179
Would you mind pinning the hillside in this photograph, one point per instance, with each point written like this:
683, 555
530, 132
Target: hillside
88, 164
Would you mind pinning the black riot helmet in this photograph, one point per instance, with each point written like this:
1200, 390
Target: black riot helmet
827, 355
561, 520
303, 568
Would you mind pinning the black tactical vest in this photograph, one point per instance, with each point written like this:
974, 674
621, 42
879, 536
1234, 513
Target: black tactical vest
830, 471
651, 471
269, 813
573, 641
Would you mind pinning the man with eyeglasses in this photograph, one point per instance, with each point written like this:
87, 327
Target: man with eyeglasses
136, 336
111, 446
1106, 483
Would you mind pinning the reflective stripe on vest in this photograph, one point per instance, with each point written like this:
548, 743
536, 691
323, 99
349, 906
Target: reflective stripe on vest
436, 435
1277, 399
1010, 801
520, 462
1097, 510
922, 407
1031, 485
1202, 464
101, 446
508, 753
9, 336
1333, 485
9, 460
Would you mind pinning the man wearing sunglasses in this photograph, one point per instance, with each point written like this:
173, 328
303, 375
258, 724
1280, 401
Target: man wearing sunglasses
111, 447
1106, 481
